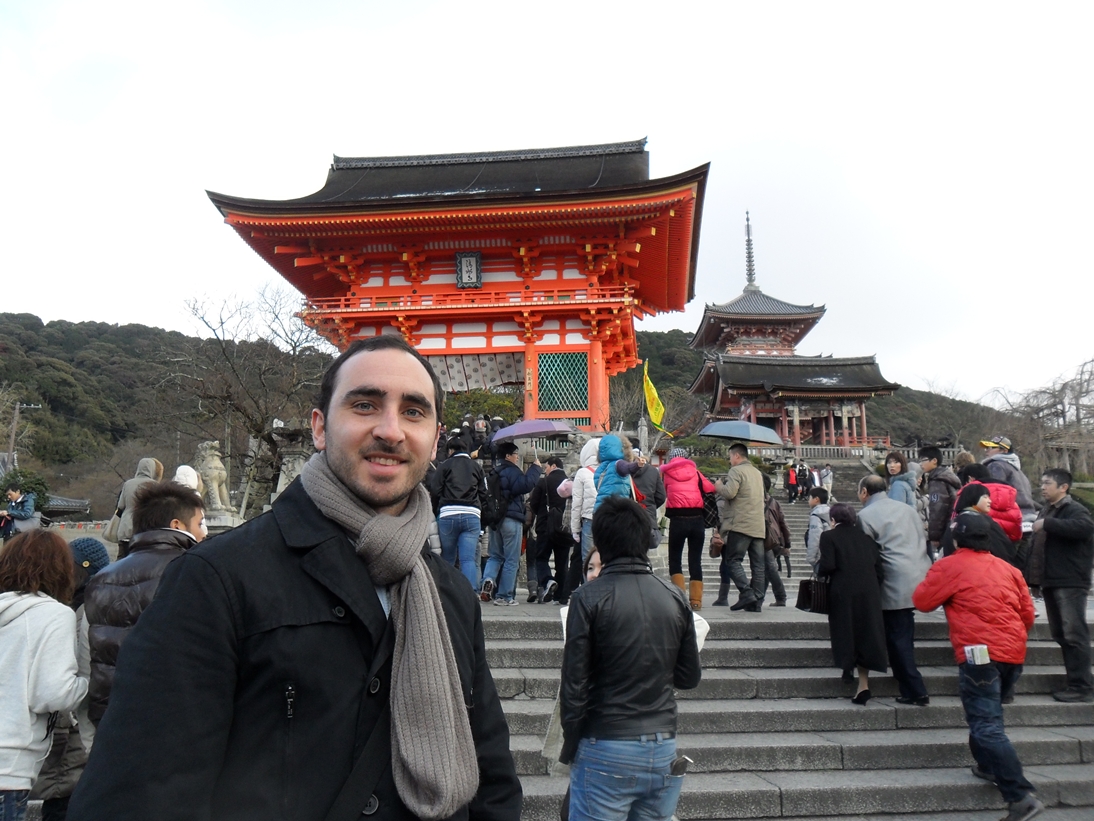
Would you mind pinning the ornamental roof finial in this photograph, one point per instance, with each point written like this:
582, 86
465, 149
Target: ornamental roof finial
750, 263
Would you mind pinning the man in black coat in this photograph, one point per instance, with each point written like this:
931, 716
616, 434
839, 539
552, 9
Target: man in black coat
1067, 533
263, 682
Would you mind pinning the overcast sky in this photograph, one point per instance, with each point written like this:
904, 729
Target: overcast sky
923, 169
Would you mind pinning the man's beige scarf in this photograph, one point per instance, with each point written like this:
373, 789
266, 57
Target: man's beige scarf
433, 753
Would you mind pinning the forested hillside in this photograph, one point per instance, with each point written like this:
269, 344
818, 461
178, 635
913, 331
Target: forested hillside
111, 394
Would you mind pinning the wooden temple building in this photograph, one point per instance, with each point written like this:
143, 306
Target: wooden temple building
752, 371
508, 267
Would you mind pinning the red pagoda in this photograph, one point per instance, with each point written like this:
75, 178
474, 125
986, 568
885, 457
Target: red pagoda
511, 267
752, 371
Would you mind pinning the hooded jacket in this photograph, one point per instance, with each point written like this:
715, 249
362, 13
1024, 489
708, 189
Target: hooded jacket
148, 470
986, 601
115, 598
611, 476
682, 480
1007, 468
1004, 508
38, 670
583, 498
942, 488
820, 520
902, 488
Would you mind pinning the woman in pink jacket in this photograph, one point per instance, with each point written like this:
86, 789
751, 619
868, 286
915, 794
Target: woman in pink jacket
684, 509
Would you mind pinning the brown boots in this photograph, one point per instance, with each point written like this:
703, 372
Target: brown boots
678, 580
696, 595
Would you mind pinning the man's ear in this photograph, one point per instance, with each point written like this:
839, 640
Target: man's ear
319, 430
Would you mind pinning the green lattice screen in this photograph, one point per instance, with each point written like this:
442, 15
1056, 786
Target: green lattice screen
563, 381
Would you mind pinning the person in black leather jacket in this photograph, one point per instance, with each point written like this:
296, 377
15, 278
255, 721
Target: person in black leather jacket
630, 639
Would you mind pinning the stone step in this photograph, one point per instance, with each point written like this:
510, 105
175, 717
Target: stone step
755, 715
522, 653
842, 793
786, 682
839, 750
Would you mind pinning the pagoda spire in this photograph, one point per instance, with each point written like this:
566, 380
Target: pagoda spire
750, 262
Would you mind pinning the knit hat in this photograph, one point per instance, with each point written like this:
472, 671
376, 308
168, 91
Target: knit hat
681, 452
972, 530
89, 554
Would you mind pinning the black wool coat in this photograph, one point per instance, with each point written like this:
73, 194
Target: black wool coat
249, 686
852, 561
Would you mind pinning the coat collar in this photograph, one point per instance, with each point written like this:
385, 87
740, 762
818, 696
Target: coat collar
329, 557
627, 565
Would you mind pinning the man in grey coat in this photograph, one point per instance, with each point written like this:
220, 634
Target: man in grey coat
897, 528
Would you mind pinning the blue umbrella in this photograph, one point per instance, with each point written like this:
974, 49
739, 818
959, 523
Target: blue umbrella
742, 431
533, 429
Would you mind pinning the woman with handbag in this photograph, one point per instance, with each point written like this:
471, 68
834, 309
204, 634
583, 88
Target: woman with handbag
852, 562
684, 489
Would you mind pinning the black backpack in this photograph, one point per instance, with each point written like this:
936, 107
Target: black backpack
493, 512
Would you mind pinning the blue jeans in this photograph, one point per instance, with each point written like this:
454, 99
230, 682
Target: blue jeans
586, 539
613, 780
13, 804
504, 557
900, 643
980, 687
1066, 611
738, 545
460, 537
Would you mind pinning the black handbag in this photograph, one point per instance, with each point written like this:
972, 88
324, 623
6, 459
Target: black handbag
813, 595
711, 518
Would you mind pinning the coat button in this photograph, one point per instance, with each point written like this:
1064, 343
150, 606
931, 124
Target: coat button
372, 805
340, 611
374, 686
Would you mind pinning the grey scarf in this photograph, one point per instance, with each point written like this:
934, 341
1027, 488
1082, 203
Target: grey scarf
433, 752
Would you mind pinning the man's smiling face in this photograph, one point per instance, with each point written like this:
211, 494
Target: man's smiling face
380, 431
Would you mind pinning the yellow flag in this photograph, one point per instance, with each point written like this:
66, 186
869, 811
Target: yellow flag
653, 401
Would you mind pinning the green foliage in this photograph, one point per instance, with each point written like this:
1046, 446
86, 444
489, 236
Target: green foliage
29, 482
911, 416
508, 403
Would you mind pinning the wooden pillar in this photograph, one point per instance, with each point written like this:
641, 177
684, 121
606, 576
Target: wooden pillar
599, 412
797, 429
862, 413
531, 380
854, 430
784, 424
846, 430
831, 425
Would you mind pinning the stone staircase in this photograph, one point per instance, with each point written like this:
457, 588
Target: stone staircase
773, 733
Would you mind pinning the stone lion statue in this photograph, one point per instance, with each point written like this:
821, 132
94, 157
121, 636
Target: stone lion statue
215, 476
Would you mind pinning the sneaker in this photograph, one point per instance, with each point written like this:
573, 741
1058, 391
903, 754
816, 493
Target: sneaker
549, 591
1025, 809
779, 603
487, 590
505, 602
981, 774
1070, 696
533, 597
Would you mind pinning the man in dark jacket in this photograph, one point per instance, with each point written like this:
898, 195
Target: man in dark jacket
167, 521
499, 578
1067, 533
630, 639
310, 663
648, 482
941, 485
458, 490
552, 537
19, 512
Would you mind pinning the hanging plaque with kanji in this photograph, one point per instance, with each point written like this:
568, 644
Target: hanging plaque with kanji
469, 270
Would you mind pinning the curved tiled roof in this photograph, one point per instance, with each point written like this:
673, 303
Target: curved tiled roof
754, 302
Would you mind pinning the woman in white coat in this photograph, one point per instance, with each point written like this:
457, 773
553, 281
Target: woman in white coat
38, 671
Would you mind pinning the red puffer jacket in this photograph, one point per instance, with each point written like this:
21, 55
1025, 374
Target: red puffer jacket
986, 601
682, 486
1004, 508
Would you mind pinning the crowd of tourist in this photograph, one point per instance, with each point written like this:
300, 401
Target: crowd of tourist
360, 594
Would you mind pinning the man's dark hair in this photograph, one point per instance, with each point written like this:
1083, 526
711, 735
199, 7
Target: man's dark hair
767, 483
1059, 476
842, 514
872, 485
157, 503
456, 445
384, 342
12, 486
819, 493
975, 472
556, 461
621, 529
506, 449
739, 449
930, 453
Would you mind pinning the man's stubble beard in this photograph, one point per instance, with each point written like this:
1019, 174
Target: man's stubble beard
383, 494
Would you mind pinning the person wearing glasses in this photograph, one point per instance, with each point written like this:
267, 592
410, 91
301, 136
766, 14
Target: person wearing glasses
940, 485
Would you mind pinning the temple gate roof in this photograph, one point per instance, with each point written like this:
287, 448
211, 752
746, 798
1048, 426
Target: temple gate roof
800, 376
